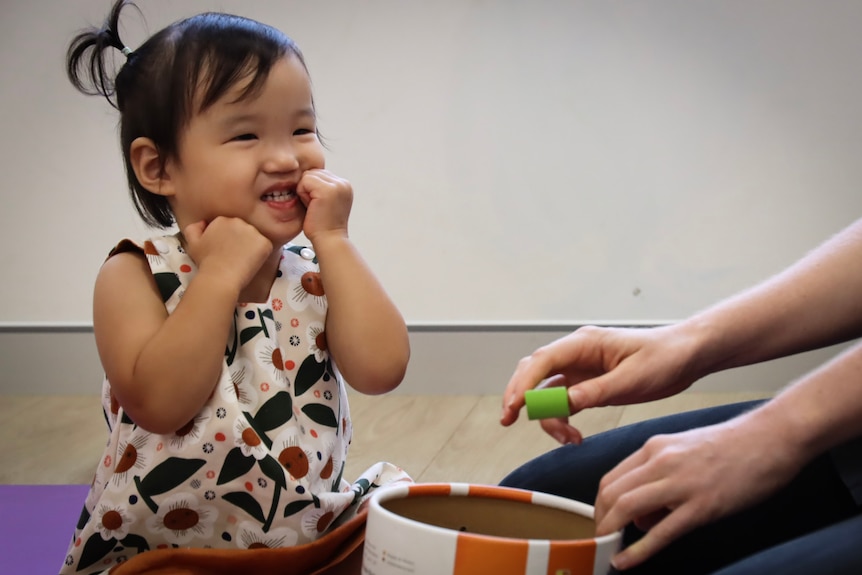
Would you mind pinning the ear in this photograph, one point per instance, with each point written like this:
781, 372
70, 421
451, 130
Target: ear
147, 164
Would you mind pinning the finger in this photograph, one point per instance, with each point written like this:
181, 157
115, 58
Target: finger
562, 431
514, 401
602, 389
193, 232
641, 501
650, 520
306, 186
625, 467
304, 196
666, 531
628, 475
529, 372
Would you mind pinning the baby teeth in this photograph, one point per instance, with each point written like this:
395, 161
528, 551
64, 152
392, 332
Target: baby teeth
278, 196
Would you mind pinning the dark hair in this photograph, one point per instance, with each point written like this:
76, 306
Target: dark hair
178, 72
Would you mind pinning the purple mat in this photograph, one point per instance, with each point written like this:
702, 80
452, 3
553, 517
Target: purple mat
36, 525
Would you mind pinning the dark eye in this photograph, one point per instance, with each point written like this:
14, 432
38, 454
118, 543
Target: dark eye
245, 137
303, 132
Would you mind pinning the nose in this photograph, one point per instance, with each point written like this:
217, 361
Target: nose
280, 158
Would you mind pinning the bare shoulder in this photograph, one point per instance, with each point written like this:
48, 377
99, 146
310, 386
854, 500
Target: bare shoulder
127, 312
124, 275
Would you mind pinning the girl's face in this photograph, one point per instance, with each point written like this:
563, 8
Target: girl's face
244, 158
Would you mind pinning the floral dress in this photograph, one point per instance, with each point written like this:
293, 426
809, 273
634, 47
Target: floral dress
261, 464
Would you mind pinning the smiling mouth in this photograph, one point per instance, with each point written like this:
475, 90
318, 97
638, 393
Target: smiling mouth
280, 196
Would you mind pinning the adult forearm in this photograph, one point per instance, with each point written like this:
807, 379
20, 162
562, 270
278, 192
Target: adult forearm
814, 303
818, 411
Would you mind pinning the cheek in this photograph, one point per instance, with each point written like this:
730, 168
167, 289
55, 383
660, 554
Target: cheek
316, 157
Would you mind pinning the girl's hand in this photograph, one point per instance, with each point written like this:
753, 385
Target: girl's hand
328, 200
603, 366
228, 247
677, 482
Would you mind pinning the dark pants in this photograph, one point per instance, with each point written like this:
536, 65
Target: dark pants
812, 526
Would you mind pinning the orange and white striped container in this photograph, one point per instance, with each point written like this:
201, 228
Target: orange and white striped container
466, 529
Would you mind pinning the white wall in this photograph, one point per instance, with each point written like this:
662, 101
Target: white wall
512, 161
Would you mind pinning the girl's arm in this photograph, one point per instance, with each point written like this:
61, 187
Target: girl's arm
364, 330
163, 368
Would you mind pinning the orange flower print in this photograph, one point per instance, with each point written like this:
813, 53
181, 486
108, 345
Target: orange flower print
316, 520
317, 341
326, 472
271, 359
304, 287
110, 405
277, 304
182, 518
191, 432
248, 440
130, 458
251, 536
236, 383
291, 455
154, 251
113, 521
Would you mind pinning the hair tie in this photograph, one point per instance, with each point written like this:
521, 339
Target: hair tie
126, 51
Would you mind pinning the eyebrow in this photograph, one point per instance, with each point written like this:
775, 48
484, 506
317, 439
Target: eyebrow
233, 119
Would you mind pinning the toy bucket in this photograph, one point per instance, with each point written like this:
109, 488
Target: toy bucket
466, 529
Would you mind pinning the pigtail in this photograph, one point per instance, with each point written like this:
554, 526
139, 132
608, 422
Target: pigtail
88, 66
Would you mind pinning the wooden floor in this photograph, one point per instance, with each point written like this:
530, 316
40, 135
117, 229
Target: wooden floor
59, 439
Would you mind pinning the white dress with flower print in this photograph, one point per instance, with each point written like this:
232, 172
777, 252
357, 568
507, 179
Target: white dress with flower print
261, 464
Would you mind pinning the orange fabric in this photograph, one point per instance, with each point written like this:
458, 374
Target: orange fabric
310, 559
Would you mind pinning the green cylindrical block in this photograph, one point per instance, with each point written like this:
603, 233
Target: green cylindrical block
547, 402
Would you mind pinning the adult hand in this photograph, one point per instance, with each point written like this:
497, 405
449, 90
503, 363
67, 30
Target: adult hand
677, 482
229, 247
328, 200
604, 366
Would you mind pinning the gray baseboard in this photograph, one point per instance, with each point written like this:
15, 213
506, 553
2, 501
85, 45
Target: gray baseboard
447, 359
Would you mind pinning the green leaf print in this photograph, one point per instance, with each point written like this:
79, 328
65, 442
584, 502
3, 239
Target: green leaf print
337, 482
83, 518
275, 412
169, 474
94, 549
136, 541
248, 333
246, 502
273, 469
168, 283
230, 350
321, 414
235, 464
296, 507
363, 485
309, 373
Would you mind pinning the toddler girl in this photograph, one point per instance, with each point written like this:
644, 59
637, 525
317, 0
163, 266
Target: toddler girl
225, 348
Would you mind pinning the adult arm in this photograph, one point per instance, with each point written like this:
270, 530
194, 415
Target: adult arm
813, 303
678, 482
